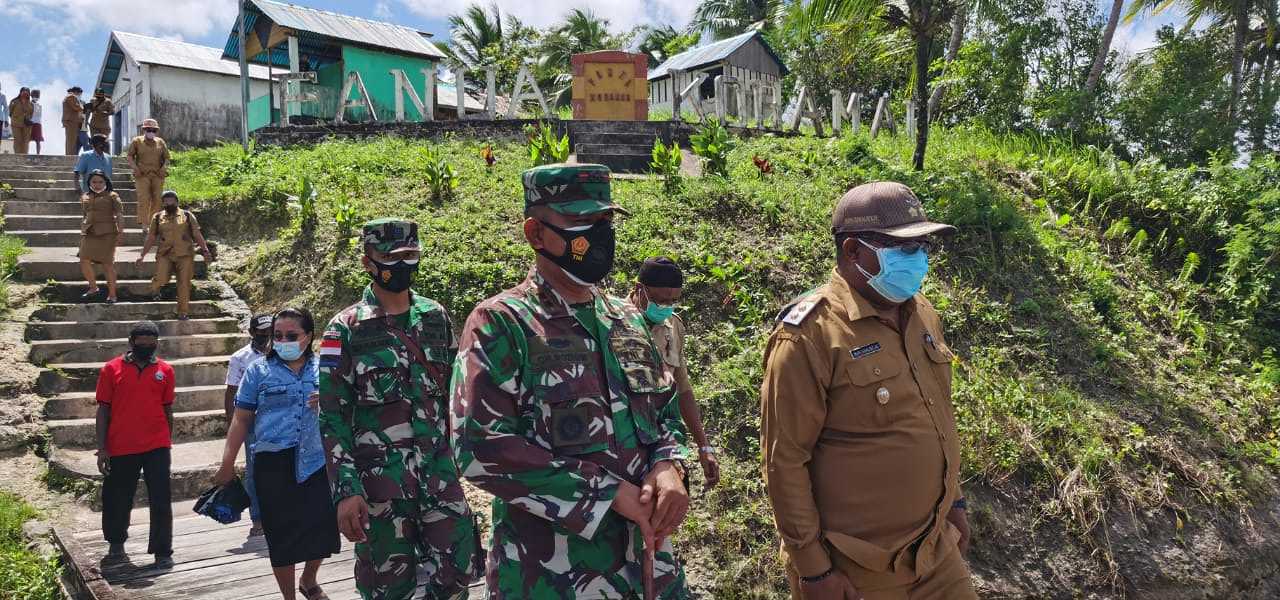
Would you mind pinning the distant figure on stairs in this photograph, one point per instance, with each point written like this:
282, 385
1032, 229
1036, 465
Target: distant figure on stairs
101, 230
258, 347
20, 112
4, 113
100, 110
72, 120
173, 232
93, 160
149, 158
37, 114
134, 425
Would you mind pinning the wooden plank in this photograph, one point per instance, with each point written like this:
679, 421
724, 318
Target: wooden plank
211, 554
83, 576
183, 525
137, 543
230, 582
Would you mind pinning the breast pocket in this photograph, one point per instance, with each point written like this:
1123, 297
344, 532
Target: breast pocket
578, 426
864, 401
941, 359
273, 397
647, 386
380, 378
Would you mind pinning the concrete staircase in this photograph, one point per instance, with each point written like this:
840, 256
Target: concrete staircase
71, 338
623, 146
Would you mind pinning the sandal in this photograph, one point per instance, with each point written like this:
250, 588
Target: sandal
90, 295
111, 301
314, 593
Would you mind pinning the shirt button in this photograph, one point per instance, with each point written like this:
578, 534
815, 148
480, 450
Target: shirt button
877, 370
931, 402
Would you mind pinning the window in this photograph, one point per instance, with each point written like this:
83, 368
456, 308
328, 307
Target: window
708, 87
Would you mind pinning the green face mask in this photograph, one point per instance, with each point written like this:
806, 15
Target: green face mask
657, 313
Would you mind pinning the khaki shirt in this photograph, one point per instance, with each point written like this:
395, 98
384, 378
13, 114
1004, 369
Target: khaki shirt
859, 434
100, 113
20, 111
151, 157
101, 213
72, 112
668, 337
174, 235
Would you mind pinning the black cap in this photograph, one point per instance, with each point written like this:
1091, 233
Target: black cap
144, 328
98, 138
261, 322
661, 271
75, 88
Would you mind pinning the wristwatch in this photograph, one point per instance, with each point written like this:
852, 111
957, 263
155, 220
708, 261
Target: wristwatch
706, 450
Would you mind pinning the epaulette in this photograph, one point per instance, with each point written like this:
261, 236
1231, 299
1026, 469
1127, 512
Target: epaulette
799, 309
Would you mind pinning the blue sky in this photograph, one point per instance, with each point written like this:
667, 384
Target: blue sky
54, 44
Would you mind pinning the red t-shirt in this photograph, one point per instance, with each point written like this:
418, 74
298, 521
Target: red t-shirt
137, 398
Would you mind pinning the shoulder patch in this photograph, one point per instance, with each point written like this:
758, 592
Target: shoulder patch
796, 313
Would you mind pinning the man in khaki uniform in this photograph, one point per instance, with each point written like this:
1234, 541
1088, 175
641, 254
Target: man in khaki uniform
72, 120
658, 289
100, 111
149, 158
21, 109
173, 232
861, 459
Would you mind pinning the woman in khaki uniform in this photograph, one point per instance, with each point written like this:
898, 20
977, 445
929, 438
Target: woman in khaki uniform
101, 232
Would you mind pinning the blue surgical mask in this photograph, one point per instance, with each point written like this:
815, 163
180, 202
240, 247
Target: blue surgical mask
288, 351
657, 313
901, 272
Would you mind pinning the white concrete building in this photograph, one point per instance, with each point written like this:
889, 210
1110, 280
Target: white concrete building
191, 90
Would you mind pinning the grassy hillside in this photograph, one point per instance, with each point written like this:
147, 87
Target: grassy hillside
1112, 320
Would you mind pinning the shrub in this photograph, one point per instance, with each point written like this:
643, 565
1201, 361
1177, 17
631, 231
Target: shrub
712, 143
545, 147
441, 176
23, 574
666, 163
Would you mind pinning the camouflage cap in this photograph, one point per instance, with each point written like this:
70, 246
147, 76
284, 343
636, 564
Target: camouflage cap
389, 235
573, 190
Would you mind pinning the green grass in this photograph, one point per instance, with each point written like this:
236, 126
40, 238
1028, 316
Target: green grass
23, 574
10, 249
1094, 375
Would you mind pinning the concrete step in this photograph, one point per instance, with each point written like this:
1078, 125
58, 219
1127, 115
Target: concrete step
51, 160
614, 149
192, 466
63, 194
62, 378
54, 238
619, 163
102, 350
62, 208
104, 330
187, 427
626, 139
84, 405
123, 311
128, 290
61, 264
57, 182
8, 174
646, 127
41, 222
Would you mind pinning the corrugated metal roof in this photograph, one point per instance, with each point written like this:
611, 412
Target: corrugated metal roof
340, 28
155, 51
704, 55
447, 96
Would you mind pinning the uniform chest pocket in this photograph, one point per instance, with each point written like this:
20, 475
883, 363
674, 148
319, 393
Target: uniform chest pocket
941, 358
380, 378
579, 426
869, 397
639, 363
274, 397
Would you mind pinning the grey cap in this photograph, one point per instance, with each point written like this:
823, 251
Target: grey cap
884, 207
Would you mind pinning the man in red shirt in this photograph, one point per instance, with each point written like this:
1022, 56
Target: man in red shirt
135, 418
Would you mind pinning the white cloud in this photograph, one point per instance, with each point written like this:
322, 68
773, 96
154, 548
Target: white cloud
193, 18
52, 93
382, 11
541, 13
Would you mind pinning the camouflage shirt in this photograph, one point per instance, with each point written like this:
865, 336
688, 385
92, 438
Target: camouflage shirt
383, 414
552, 406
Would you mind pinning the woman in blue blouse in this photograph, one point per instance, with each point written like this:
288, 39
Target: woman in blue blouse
276, 400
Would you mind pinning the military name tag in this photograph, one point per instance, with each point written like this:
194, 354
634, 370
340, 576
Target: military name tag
551, 352
432, 334
368, 337
865, 351
570, 427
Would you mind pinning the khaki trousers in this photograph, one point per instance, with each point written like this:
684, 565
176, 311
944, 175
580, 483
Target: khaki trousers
185, 268
21, 139
149, 189
72, 137
949, 580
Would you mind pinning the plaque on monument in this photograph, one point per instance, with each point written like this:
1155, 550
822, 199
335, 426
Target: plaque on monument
610, 86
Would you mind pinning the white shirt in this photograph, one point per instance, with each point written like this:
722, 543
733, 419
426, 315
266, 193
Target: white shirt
35, 114
241, 361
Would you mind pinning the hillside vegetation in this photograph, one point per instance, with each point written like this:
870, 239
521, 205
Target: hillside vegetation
1116, 322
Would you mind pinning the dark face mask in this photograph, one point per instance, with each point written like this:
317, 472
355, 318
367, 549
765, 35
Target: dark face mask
588, 255
394, 277
143, 353
171, 209
262, 343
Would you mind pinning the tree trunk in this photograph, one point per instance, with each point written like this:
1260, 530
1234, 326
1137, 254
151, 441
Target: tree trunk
921, 92
1237, 62
1100, 61
958, 24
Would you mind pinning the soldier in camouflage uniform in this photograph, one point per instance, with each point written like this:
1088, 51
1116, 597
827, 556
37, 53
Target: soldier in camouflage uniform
384, 372
561, 409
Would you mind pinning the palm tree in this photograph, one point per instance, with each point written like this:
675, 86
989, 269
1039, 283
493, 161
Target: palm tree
727, 18
958, 25
473, 31
661, 43
581, 31
1104, 49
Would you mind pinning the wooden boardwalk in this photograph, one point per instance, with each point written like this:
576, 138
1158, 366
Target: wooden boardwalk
211, 562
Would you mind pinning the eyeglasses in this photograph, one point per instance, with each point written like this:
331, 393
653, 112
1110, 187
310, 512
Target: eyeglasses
151, 130
908, 246
287, 337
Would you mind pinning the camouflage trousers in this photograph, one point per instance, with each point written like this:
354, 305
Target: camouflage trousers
531, 559
411, 537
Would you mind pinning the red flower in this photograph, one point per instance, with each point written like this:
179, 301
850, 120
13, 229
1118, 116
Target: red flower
487, 154
766, 167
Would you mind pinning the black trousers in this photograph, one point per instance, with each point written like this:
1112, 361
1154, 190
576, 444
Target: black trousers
117, 498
